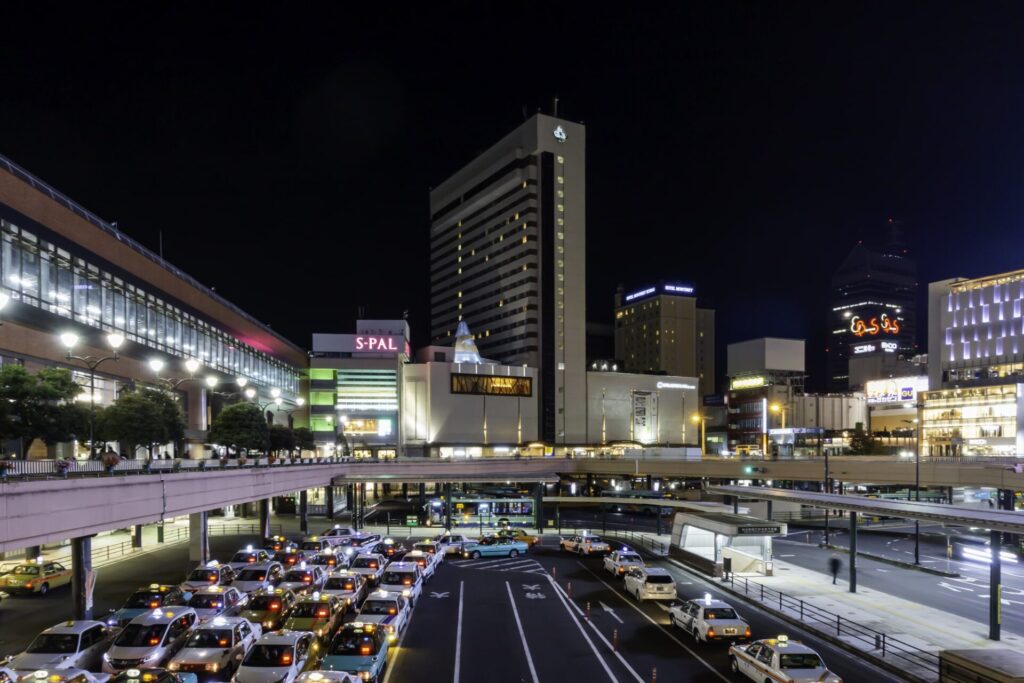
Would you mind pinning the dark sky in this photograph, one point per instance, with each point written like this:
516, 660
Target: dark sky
287, 155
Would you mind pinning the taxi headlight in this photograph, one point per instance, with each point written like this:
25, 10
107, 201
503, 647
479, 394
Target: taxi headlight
106, 657
365, 675
213, 667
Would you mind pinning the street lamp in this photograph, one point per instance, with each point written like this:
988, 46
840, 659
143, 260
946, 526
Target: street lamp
70, 340
192, 365
699, 418
779, 408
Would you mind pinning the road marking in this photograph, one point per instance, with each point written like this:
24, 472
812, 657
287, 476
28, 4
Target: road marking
593, 647
535, 596
458, 635
879, 569
531, 587
522, 635
662, 628
439, 595
955, 589
608, 609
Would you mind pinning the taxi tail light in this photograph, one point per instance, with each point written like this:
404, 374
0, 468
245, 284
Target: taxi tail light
407, 582
286, 658
213, 579
307, 579
222, 642
154, 641
154, 604
28, 585
275, 607
364, 650
747, 632
291, 560
392, 610
373, 565
322, 612
251, 560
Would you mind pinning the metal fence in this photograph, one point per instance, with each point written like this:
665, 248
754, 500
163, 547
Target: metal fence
634, 538
50, 469
877, 643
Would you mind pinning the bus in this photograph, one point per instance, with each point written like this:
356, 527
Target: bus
478, 511
637, 508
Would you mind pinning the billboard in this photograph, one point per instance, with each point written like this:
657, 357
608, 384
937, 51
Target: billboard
491, 385
645, 416
895, 389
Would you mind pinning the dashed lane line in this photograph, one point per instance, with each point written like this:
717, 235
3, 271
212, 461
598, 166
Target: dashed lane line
583, 633
522, 635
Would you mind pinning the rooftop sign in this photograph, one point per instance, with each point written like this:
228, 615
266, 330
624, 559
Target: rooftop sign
675, 289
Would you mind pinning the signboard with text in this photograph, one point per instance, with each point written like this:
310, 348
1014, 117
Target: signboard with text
491, 385
895, 390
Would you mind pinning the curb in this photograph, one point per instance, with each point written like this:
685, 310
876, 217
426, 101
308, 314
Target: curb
896, 563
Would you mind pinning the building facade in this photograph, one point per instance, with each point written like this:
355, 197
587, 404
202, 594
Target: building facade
508, 256
660, 328
641, 409
872, 307
978, 420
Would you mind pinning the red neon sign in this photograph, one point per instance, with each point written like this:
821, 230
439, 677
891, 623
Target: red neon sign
874, 326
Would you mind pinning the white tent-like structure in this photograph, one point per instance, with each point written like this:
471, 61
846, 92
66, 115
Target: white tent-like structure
465, 347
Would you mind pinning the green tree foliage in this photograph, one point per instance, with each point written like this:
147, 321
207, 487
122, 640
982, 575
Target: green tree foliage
142, 418
861, 442
281, 438
241, 427
40, 405
304, 439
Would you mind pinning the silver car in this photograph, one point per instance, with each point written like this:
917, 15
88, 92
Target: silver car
68, 645
304, 579
217, 601
258, 577
150, 639
248, 557
279, 658
216, 647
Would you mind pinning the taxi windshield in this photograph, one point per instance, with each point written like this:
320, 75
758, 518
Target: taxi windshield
801, 660
252, 575
425, 547
209, 637
26, 570
147, 599
141, 635
264, 603
202, 575
365, 563
201, 601
311, 610
720, 613
340, 584
379, 607
56, 643
244, 556
299, 575
395, 578
357, 643
269, 655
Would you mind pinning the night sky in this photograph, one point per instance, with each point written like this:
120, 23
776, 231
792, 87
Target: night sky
287, 156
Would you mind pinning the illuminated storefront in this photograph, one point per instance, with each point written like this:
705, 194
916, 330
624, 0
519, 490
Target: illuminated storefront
974, 421
892, 404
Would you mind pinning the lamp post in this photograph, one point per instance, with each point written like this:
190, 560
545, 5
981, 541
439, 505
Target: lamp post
191, 365
699, 418
917, 479
779, 408
70, 340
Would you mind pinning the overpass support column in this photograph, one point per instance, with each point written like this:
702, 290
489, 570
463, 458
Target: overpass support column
768, 514
137, 536
81, 577
304, 511
330, 500
649, 482
33, 551
423, 494
538, 506
448, 505
265, 517
198, 538
735, 505
590, 485
995, 588
405, 491
853, 551
160, 531
350, 496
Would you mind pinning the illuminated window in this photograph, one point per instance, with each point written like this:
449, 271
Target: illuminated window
561, 249
561, 180
561, 221
524, 226
561, 159
460, 295
524, 184
460, 271
524, 266
561, 263
460, 305
459, 248
516, 216
561, 194
501, 238
561, 235
561, 208
460, 259
524, 239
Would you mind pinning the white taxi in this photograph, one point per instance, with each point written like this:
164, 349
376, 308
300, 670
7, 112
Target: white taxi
780, 659
304, 579
426, 562
247, 557
279, 658
583, 544
337, 533
213, 573
216, 647
649, 583
452, 543
390, 611
346, 586
149, 639
217, 601
68, 645
369, 565
405, 578
322, 676
622, 559
709, 619
257, 577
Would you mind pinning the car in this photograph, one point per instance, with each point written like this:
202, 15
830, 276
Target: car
389, 611
708, 619
7, 675
304, 579
152, 676
35, 576
369, 565
68, 645
216, 647
279, 658
338, 532
328, 560
320, 613
359, 648
59, 676
431, 548
425, 561
519, 535
389, 548
146, 599
452, 543
649, 583
779, 659
258, 577
315, 544
405, 578
247, 557
346, 585
269, 608
290, 557
584, 544
213, 573
322, 676
622, 559
149, 640
278, 543
492, 546
217, 601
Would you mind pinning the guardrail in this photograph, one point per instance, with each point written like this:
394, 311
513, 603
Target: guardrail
54, 469
864, 638
633, 538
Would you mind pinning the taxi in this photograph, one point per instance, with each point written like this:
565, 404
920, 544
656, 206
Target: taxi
369, 565
304, 578
147, 599
153, 676
35, 576
217, 601
649, 583
388, 611
709, 619
216, 647
431, 548
425, 561
55, 676
389, 548
328, 560
149, 640
213, 573
247, 557
493, 546
452, 543
7, 675
279, 658
278, 543
321, 676
258, 577
351, 546
68, 645
622, 559
405, 578
346, 586
519, 535
289, 557
359, 648
269, 608
319, 613
780, 659
584, 544
315, 544
337, 533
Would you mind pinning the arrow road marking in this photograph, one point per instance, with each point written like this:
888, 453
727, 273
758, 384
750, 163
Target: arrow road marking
663, 606
955, 589
528, 587
608, 609
879, 569
535, 596
438, 595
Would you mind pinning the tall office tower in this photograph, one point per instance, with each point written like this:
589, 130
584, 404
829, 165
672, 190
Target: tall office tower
507, 256
659, 328
873, 307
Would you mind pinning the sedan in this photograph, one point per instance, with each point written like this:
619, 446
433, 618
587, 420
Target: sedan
494, 547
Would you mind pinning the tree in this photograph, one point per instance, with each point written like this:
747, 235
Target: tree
861, 442
304, 439
241, 427
281, 438
40, 406
142, 418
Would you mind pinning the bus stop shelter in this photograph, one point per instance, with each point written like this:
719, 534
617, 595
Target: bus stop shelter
718, 542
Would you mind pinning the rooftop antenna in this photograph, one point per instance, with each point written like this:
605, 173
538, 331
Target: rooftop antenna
555, 108
161, 233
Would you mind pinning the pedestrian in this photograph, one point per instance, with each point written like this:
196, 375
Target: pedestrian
833, 566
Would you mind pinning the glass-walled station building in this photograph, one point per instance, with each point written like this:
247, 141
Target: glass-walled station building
64, 271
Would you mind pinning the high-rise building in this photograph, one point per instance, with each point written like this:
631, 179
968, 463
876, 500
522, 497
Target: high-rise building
660, 328
872, 307
507, 256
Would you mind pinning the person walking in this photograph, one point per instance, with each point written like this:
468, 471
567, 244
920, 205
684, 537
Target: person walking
833, 566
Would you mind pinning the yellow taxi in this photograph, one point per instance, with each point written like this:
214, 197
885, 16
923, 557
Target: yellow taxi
518, 535
35, 576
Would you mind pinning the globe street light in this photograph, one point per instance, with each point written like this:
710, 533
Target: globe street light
211, 381
192, 365
70, 340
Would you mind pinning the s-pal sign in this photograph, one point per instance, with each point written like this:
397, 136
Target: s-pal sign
375, 343
361, 343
